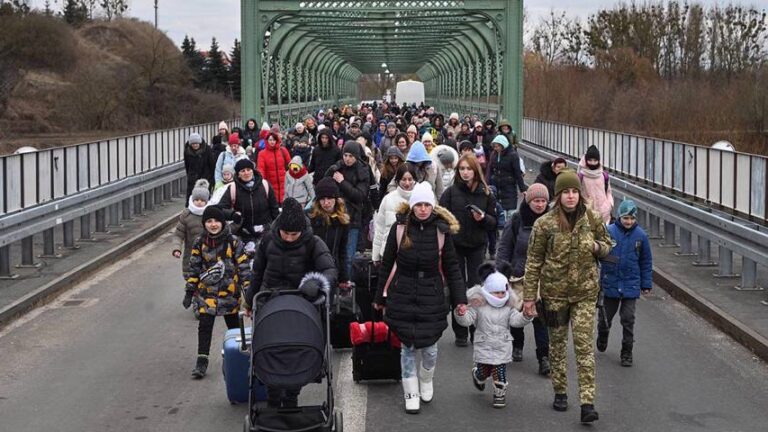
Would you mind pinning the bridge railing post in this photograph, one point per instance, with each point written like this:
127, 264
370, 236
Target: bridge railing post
49, 246
5, 263
28, 253
669, 235
725, 263
68, 230
748, 276
686, 243
704, 253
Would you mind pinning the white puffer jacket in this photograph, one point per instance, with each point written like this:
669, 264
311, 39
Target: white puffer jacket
385, 218
493, 342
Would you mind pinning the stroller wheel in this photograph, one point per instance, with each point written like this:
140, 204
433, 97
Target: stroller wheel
338, 421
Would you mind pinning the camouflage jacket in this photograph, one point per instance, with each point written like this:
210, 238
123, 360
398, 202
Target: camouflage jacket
562, 264
222, 296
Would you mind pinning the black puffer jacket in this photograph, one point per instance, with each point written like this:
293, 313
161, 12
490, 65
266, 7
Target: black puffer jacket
354, 189
416, 302
323, 157
513, 245
256, 206
335, 237
198, 164
547, 177
250, 136
507, 177
472, 234
281, 265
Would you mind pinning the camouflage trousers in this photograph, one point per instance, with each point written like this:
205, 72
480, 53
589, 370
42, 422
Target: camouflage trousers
582, 323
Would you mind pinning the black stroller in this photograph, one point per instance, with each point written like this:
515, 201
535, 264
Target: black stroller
291, 348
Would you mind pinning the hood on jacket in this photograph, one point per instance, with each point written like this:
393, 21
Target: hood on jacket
589, 172
418, 153
546, 170
328, 133
255, 125
449, 222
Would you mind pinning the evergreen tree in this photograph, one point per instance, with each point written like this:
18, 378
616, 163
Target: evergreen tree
75, 12
215, 75
234, 70
194, 60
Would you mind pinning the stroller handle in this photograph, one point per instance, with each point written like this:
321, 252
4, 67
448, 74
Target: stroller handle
266, 294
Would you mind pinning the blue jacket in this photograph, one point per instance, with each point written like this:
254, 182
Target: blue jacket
629, 267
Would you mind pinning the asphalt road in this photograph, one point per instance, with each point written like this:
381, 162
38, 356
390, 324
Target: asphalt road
120, 361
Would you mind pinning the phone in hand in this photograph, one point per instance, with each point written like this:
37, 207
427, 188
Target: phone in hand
474, 208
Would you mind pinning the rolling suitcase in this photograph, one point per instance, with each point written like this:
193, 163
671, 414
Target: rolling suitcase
376, 360
236, 362
366, 280
343, 312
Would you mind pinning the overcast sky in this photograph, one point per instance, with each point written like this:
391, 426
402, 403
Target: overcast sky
204, 19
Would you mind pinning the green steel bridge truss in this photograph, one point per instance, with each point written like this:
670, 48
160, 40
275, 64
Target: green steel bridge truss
301, 56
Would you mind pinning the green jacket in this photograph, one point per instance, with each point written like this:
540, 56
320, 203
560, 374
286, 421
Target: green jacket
562, 264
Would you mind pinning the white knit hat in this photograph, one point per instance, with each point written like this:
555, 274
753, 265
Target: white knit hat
495, 282
427, 137
422, 193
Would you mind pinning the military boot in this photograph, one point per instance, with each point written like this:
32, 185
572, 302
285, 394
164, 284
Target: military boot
200, 367
626, 354
602, 341
561, 402
588, 413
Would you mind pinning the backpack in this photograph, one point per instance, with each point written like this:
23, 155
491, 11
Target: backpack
233, 192
605, 179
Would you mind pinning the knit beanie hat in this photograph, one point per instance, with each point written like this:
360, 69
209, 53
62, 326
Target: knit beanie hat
200, 191
565, 180
353, 148
243, 164
296, 164
234, 138
228, 168
394, 151
445, 156
422, 193
592, 153
412, 128
466, 145
391, 125
501, 140
495, 282
627, 208
213, 212
223, 125
536, 190
478, 123
292, 217
195, 138
427, 137
454, 116
327, 188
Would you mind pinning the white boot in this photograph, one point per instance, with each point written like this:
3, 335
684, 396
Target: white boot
425, 383
411, 393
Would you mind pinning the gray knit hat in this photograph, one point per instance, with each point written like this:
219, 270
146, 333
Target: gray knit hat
200, 191
195, 138
228, 168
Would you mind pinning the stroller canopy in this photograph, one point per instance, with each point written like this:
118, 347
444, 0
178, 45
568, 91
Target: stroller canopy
288, 342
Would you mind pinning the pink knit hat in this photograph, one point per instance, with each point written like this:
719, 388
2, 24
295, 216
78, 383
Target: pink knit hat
536, 190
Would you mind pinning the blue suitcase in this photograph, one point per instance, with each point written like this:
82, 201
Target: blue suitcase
236, 363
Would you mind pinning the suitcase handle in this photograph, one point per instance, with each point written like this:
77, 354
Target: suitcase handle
241, 321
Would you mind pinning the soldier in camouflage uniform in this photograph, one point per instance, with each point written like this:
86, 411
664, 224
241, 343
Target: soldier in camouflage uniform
219, 270
562, 266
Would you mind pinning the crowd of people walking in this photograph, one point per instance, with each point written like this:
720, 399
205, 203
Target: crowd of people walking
452, 229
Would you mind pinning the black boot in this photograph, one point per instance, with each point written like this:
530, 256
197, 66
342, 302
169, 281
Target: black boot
544, 368
626, 354
517, 354
561, 402
200, 367
602, 341
588, 413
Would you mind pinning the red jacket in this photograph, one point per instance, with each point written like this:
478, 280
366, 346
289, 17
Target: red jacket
272, 164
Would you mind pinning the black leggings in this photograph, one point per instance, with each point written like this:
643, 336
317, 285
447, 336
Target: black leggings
205, 330
469, 260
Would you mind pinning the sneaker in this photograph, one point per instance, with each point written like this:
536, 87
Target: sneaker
517, 354
561, 402
499, 395
461, 342
602, 341
200, 367
479, 384
588, 413
544, 368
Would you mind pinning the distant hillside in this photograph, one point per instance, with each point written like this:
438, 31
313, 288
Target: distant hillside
60, 85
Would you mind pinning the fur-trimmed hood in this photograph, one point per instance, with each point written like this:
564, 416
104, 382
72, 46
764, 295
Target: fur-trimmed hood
476, 299
446, 221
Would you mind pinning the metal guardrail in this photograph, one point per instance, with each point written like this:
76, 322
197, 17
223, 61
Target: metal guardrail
31, 179
287, 115
682, 220
737, 182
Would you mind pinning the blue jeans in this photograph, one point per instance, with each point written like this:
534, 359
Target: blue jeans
354, 233
408, 359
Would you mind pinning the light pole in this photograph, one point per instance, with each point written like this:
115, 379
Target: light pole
155, 13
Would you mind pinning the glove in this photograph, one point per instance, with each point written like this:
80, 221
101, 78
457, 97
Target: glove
258, 229
187, 302
237, 218
250, 248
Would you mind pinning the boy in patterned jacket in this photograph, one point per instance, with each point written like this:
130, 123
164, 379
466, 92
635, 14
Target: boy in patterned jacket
219, 272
